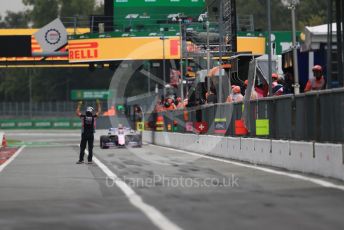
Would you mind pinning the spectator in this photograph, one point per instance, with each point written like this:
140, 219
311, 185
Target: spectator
169, 104
186, 102
158, 106
288, 83
230, 96
211, 96
318, 81
190, 72
262, 89
254, 95
274, 79
277, 85
236, 95
138, 113
179, 103
246, 83
278, 90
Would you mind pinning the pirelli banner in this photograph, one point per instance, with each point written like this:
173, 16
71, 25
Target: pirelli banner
129, 48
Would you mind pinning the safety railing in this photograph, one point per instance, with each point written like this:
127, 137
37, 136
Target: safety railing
41, 109
316, 116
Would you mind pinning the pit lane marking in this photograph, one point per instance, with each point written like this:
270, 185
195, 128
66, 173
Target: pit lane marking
157, 218
6, 163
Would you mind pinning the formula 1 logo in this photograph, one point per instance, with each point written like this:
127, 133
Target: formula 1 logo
52, 36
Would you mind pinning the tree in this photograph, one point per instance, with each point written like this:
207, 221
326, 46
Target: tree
77, 7
2, 23
309, 13
13, 85
43, 11
16, 19
80, 8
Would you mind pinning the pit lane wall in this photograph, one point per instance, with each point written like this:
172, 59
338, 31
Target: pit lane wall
306, 157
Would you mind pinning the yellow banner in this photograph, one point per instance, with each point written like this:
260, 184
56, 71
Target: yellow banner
35, 47
133, 48
140, 126
256, 45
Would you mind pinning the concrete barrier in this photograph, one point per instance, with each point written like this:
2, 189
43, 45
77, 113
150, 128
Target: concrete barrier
262, 151
219, 146
247, 150
171, 140
180, 140
162, 139
147, 136
280, 153
234, 148
203, 144
328, 160
213, 145
157, 138
307, 157
301, 158
190, 142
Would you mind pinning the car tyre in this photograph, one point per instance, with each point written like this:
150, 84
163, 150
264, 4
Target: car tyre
102, 141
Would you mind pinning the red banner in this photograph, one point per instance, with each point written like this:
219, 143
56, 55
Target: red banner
201, 127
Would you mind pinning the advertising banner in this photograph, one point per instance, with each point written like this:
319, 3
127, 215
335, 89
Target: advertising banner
41, 124
140, 126
35, 46
256, 45
90, 94
132, 48
136, 12
189, 126
201, 127
262, 127
168, 3
220, 125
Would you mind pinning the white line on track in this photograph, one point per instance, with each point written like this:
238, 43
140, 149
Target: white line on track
320, 182
11, 158
157, 218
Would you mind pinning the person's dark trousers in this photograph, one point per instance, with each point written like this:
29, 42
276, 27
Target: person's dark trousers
86, 139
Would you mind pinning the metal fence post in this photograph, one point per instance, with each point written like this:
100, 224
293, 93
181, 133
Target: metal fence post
317, 118
75, 24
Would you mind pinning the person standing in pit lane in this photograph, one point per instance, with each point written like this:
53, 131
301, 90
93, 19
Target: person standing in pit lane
236, 95
318, 81
87, 131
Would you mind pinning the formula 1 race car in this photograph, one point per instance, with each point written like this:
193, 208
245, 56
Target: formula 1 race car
121, 137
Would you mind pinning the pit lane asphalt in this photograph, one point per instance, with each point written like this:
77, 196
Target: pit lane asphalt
43, 188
